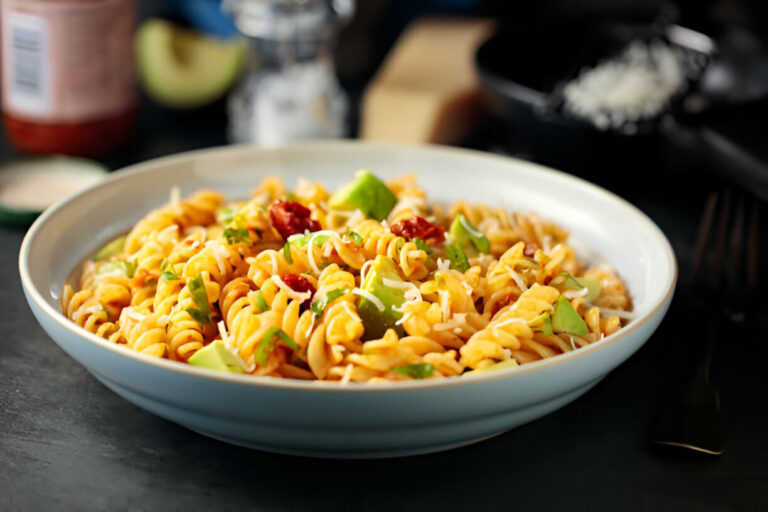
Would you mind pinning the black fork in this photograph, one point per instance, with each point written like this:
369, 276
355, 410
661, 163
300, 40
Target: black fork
724, 278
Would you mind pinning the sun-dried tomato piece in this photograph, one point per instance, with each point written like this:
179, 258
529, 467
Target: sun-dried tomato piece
418, 227
299, 283
530, 250
290, 217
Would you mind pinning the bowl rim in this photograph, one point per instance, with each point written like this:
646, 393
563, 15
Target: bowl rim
34, 295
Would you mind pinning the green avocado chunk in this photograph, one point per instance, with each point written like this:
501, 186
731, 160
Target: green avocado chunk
368, 193
578, 283
216, 356
566, 319
113, 248
377, 322
468, 237
542, 324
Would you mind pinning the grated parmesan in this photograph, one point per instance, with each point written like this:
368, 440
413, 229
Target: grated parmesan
293, 294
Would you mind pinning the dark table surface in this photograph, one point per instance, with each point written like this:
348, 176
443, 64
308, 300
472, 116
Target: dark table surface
68, 443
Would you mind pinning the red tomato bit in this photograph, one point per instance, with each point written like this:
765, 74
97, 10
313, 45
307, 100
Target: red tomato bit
418, 227
290, 217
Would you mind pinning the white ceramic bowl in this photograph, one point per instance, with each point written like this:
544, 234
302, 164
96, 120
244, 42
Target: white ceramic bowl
326, 419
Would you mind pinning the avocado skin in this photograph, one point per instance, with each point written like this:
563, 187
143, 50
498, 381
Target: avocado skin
368, 193
566, 319
215, 356
377, 322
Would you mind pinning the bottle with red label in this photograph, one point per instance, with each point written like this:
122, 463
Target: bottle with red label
68, 77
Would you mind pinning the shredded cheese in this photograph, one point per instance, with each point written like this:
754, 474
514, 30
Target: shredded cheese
133, 314
364, 270
572, 294
311, 254
293, 294
626, 315
347, 374
371, 297
517, 278
444, 265
404, 318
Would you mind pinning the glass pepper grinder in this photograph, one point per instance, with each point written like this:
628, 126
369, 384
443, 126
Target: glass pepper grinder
289, 90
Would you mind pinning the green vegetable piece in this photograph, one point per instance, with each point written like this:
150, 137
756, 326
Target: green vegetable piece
416, 371
566, 281
269, 343
235, 236
422, 245
128, 268
216, 356
542, 324
225, 215
375, 320
319, 305
299, 240
511, 363
168, 275
261, 302
354, 236
202, 313
287, 253
471, 240
368, 193
113, 248
458, 259
566, 319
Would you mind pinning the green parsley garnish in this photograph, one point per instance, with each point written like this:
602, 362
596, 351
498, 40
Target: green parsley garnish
422, 245
225, 215
458, 259
235, 236
168, 275
202, 313
269, 343
319, 305
416, 371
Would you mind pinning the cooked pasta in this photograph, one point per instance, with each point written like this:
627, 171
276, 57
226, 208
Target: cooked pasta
370, 283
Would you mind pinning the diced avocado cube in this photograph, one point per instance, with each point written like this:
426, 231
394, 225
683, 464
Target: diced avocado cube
376, 321
216, 356
579, 283
368, 193
113, 248
566, 319
511, 363
468, 237
593, 288
542, 324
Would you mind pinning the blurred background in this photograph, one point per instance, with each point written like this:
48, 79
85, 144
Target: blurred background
619, 92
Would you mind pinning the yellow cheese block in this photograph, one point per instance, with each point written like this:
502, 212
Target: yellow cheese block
427, 88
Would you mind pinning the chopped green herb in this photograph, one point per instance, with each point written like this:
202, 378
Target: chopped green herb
458, 259
225, 215
113, 248
268, 344
235, 236
287, 253
168, 275
422, 245
416, 371
128, 268
354, 236
319, 305
260, 302
202, 313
